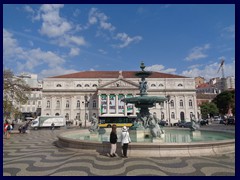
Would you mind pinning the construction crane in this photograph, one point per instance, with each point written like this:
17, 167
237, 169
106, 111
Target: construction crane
221, 67
223, 80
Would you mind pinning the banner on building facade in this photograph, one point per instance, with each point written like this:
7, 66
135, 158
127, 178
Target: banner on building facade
129, 106
112, 104
103, 104
120, 104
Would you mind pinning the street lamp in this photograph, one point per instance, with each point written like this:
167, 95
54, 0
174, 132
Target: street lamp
168, 102
86, 104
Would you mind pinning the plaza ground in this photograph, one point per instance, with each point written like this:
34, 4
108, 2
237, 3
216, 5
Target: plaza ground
37, 154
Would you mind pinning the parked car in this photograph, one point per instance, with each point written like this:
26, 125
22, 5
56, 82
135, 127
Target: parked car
230, 120
203, 122
185, 124
163, 123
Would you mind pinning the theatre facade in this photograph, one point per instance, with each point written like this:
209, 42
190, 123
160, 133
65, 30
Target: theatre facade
79, 96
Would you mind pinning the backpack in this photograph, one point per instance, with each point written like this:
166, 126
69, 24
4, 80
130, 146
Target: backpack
8, 128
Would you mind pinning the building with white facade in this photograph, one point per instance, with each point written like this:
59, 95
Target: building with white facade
79, 96
33, 105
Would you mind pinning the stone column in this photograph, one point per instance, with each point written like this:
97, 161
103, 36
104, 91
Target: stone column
116, 103
177, 115
125, 108
108, 112
99, 104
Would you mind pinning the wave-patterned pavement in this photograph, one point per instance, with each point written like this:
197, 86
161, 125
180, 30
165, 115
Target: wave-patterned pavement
37, 154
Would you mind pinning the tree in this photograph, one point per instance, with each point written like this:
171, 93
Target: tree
225, 101
15, 92
209, 109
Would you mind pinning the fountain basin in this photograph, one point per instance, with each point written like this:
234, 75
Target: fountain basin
151, 149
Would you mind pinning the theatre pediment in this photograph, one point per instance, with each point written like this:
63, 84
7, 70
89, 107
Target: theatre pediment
120, 83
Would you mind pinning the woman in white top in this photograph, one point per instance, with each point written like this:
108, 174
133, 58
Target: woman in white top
125, 139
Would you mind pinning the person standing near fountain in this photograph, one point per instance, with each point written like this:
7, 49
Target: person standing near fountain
113, 141
125, 140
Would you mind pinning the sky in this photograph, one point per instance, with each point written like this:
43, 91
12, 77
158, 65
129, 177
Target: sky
182, 39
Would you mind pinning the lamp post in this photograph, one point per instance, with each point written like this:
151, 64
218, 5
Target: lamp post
86, 102
168, 102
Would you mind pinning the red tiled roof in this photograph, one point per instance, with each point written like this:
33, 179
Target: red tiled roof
204, 85
114, 74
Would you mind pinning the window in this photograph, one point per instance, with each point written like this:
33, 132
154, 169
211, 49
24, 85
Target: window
57, 114
181, 103
94, 104
160, 85
180, 85
86, 85
172, 103
59, 85
94, 85
33, 102
173, 115
67, 104
48, 104
67, 116
162, 115
78, 116
78, 104
191, 115
58, 104
79, 85
153, 85
190, 103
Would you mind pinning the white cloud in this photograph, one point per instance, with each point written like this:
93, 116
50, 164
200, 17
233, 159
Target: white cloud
55, 72
126, 40
102, 51
210, 71
53, 25
95, 17
160, 68
228, 32
197, 53
27, 59
74, 52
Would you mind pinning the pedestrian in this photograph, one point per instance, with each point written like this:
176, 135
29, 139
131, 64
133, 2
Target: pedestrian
125, 140
113, 141
52, 126
7, 129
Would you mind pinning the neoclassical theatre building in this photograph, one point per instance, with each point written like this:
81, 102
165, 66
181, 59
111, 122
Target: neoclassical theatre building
79, 96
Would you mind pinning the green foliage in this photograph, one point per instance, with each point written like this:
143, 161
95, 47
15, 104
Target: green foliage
224, 101
208, 108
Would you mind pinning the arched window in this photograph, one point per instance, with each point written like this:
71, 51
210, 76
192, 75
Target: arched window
78, 116
59, 85
58, 104
67, 104
48, 104
191, 115
172, 103
78, 104
94, 85
47, 114
94, 104
160, 85
57, 114
180, 85
190, 103
181, 103
153, 85
67, 116
79, 85
172, 115
86, 85
162, 115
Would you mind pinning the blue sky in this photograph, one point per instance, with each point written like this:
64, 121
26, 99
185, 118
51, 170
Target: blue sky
181, 39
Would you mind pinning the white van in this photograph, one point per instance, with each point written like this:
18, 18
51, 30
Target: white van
46, 121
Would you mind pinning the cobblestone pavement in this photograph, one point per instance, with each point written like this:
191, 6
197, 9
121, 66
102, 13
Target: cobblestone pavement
37, 154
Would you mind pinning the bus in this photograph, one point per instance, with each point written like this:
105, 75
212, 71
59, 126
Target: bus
108, 121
